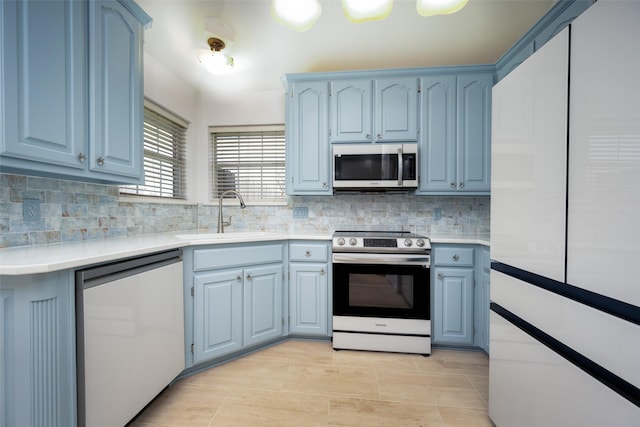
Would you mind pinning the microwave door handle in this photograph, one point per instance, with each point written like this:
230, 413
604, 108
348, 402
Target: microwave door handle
400, 167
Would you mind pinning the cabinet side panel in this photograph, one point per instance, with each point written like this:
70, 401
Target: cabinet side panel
7, 326
43, 316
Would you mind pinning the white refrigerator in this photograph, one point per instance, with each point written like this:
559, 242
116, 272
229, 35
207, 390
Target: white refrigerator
565, 228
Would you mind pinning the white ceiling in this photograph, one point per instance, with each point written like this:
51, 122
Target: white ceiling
264, 50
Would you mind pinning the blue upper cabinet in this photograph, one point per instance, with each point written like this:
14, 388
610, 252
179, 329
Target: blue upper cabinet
351, 111
44, 83
374, 110
116, 92
72, 89
455, 146
396, 109
307, 138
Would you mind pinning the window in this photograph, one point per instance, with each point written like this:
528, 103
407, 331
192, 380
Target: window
250, 161
164, 146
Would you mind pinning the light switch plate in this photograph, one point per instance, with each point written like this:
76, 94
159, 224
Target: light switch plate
31, 209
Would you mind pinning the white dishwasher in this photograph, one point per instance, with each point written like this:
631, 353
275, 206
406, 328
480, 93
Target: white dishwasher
129, 335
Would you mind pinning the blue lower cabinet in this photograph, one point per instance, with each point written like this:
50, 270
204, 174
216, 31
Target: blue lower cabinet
453, 314
263, 320
37, 368
236, 301
308, 312
218, 314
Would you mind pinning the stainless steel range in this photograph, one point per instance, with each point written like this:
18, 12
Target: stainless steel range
381, 290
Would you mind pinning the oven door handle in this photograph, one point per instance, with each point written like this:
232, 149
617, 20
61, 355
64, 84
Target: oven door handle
387, 259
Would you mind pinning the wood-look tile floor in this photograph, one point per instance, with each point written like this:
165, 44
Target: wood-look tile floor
307, 383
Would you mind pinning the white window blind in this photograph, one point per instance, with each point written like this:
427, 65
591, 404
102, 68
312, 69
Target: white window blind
250, 162
164, 164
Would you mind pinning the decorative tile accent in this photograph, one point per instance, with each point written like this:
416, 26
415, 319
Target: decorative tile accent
80, 211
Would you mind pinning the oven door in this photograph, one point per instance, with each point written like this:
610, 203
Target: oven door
381, 285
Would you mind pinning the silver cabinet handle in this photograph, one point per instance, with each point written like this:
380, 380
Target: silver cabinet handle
322, 273
440, 276
461, 185
100, 161
82, 157
239, 278
249, 277
307, 254
379, 136
455, 257
453, 185
368, 136
324, 185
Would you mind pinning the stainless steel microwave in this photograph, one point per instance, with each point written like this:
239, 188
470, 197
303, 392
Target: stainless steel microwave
370, 167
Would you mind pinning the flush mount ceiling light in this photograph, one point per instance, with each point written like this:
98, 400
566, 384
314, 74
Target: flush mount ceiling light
439, 7
358, 11
215, 61
298, 15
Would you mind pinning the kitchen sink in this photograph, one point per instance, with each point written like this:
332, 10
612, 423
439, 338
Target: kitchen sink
229, 235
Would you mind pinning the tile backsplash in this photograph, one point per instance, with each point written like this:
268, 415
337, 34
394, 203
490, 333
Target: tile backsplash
71, 211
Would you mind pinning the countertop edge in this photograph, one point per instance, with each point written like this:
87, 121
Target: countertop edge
36, 259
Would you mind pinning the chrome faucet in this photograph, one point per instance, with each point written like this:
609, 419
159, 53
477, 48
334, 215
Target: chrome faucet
221, 223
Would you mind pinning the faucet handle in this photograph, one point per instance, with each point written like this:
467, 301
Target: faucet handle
228, 222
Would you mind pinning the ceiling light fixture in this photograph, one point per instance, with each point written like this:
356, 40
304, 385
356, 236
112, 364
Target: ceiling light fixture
214, 60
358, 11
298, 15
439, 7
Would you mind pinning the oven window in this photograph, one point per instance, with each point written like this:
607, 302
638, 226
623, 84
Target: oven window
381, 290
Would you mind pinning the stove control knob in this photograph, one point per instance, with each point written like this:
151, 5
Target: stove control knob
420, 243
341, 241
353, 241
408, 242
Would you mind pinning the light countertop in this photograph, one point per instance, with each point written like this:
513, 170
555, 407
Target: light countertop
34, 259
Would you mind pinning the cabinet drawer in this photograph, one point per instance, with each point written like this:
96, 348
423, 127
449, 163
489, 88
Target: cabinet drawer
207, 259
316, 252
453, 256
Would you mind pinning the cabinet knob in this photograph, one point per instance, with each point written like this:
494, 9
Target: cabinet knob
249, 277
82, 157
461, 185
379, 136
307, 254
368, 136
453, 185
324, 185
239, 278
100, 161
455, 257
322, 273
440, 276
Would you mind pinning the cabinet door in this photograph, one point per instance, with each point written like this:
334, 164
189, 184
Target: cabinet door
262, 304
396, 109
43, 80
438, 127
308, 299
217, 314
308, 169
453, 307
351, 111
115, 70
474, 132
